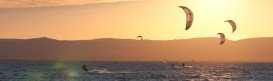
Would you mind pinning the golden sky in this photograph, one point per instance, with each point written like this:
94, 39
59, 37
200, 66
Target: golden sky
153, 19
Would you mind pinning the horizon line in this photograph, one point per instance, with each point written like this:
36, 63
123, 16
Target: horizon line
241, 61
127, 38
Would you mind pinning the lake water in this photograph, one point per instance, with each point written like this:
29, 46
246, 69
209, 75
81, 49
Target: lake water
133, 71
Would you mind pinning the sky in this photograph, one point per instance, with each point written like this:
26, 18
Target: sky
126, 19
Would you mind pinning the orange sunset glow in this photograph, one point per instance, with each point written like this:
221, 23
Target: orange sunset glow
160, 21
155, 19
136, 40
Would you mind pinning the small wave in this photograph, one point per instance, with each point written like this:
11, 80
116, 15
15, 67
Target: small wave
122, 72
189, 66
100, 72
105, 71
182, 67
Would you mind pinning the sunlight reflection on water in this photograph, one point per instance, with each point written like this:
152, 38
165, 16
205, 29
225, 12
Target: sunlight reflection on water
132, 71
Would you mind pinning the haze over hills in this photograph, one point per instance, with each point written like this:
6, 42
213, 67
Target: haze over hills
196, 49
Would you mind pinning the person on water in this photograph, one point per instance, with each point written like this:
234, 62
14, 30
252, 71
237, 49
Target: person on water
84, 67
173, 65
183, 65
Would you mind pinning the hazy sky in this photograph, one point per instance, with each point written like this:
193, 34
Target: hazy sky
153, 19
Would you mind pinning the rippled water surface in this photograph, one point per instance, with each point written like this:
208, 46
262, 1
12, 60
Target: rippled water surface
133, 71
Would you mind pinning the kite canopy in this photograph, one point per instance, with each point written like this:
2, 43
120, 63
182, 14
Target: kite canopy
190, 16
140, 37
233, 24
222, 37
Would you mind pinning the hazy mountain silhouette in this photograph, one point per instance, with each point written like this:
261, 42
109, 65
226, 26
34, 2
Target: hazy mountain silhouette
197, 49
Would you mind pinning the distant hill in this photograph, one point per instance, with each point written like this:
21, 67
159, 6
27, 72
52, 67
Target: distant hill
196, 49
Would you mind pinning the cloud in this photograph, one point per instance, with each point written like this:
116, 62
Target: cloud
45, 3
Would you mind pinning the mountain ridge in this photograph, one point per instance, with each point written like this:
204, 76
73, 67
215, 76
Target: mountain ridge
111, 49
